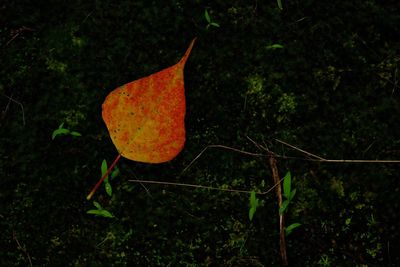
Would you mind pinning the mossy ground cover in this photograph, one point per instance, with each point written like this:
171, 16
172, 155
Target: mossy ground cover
320, 75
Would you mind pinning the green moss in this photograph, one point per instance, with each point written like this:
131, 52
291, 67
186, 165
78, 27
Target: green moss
56, 66
331, 90
74, 117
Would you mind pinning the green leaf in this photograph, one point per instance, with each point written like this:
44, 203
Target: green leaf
104, 168
214, 24
252, 198
290, 228
75, 133
251, 213
107, 184
279, 4
115, 172
106, 213
97, 205
62, 130
284, 206
108, 187
287, 180
207, 16
95, 212
58, 132
253, 204
292, 194
275, 46
102, 213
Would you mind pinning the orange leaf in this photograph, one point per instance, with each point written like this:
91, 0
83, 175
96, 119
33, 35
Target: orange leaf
145, 118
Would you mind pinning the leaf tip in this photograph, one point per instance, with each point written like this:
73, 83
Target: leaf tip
187, 53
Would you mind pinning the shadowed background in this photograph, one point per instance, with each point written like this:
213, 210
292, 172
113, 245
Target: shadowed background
332, 89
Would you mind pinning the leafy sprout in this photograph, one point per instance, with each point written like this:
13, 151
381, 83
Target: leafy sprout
100, 211
209, 20
288, 194
114, 174
63, 131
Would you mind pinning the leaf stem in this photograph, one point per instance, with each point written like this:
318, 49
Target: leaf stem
103, 177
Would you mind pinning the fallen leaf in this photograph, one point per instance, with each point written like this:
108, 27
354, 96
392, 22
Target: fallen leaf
145, 118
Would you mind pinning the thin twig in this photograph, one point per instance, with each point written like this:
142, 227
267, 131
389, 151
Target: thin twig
6, 109
301, 150
22, 248
87, 16
12, 39
395, 81
18, 32
315, 158
320, 159
260, 147
356, 161
340, 160
205, 187
369, 146
238, 150
20, 104
102, 241
145, 188
224, 147
245, 103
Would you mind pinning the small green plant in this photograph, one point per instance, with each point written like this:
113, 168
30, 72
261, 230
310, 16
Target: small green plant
254, 203
114, 174
324, 261
100, 211
61, 130
209, 20
288, 194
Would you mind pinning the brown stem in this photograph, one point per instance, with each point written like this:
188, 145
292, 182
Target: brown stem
282, 243
103, 177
